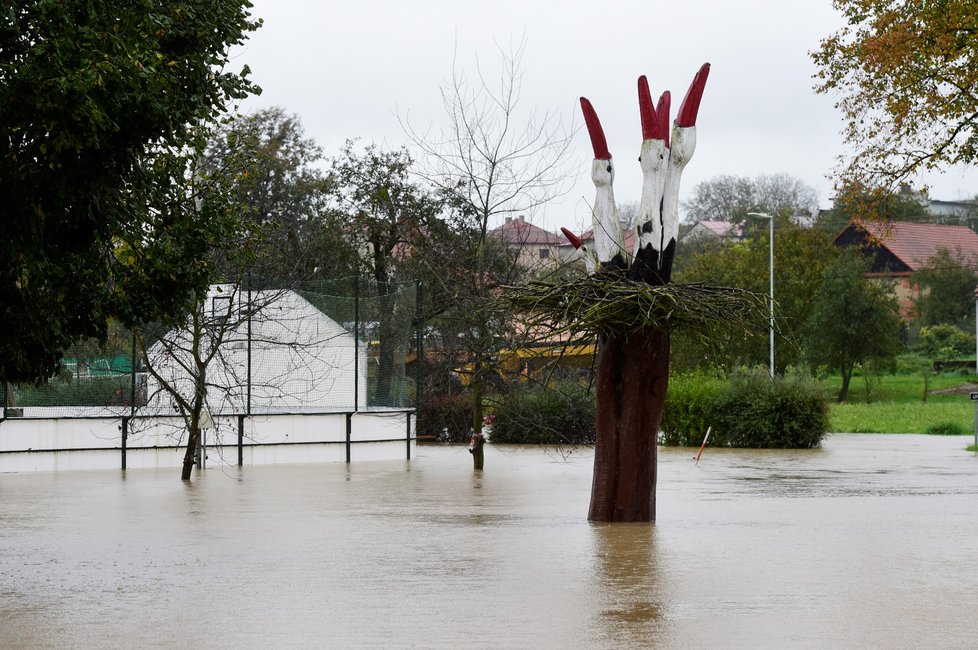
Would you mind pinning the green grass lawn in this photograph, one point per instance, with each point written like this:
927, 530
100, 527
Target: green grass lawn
895, 405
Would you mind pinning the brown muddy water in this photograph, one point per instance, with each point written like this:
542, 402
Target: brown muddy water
871, 541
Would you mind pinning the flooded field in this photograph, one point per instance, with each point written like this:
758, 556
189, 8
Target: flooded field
871, 541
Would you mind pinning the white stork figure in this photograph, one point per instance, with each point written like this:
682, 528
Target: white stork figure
681, 150
654, 158
657, 227
609, 243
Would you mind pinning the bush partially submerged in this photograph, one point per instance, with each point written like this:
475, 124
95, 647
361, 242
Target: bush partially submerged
446, 417
561, 414
748, 410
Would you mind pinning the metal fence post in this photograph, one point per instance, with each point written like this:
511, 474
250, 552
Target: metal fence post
408, 414
349, 433
356, 345
241, 440
125, 436
249, 308
419, 345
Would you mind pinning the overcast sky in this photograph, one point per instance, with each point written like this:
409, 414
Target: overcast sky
348, 69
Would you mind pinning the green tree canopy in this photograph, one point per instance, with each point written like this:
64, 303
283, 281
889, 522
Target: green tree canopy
854, 319
276, 175
100, 104
947, 289
854, 202
801, 257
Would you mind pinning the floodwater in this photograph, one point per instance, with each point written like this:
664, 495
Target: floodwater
871, 541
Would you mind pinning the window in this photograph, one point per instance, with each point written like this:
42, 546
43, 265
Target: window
544, 253
220, 308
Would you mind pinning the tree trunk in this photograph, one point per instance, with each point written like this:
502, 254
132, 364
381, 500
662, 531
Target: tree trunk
846, 377
477, 443
188, 456
633, 375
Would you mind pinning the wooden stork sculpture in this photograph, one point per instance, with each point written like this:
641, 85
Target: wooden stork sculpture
633, 368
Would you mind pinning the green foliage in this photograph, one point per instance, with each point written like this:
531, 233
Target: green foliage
115, 391
690, 408
947, 290
445, 416
748, 410
947, 429
273, 173
801, 257
855, 202
904, 74
946, 342
100, 112
854, 320
560, 414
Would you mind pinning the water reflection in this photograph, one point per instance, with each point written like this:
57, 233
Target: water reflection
869, 542
630, 583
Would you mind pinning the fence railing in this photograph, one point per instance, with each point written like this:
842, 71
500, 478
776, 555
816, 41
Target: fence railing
340, 346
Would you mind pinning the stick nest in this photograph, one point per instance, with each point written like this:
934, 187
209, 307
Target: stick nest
605, 304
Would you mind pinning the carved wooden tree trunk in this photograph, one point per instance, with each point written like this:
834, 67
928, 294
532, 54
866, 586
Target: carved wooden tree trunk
633, 368
633, 374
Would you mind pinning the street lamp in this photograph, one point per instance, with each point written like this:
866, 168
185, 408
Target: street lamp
770, 220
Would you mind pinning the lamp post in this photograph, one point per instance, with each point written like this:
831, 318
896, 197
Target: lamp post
770, 220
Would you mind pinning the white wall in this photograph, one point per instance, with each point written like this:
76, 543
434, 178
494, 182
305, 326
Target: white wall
48, 445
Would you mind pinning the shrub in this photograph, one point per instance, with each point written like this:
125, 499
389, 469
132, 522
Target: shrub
946, 341
560, 414
445, 416
748, 410
689, 409
113, 391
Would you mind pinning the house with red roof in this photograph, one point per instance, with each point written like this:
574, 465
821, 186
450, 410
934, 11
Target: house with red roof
533, 246
899, 248
712, 230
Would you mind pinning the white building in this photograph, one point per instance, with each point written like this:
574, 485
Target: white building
301, 360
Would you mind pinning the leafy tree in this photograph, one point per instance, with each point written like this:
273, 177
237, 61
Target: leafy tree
390, 216
280, 186
906, 72
855, 202
854, 320
801, 258
491, 160
947, 289
100, 107
731, 198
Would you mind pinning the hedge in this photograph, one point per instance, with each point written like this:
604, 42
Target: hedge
748, 410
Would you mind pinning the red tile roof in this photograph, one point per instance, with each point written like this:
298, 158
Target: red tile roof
720, 228
519, 232
915, 243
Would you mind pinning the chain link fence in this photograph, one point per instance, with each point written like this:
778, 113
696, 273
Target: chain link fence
346, 345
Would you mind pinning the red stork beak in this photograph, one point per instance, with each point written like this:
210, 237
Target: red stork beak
691, 103
598, 142
646, 109
662, 118
655, 120
572, 238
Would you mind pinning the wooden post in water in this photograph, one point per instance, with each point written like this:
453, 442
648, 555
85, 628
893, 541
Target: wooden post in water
477, 442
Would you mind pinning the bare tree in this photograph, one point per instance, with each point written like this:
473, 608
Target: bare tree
491, 160
210, 366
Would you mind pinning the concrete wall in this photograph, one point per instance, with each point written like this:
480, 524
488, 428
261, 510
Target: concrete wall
48, 445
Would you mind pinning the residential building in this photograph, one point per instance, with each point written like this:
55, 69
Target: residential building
533, 246
899, 248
